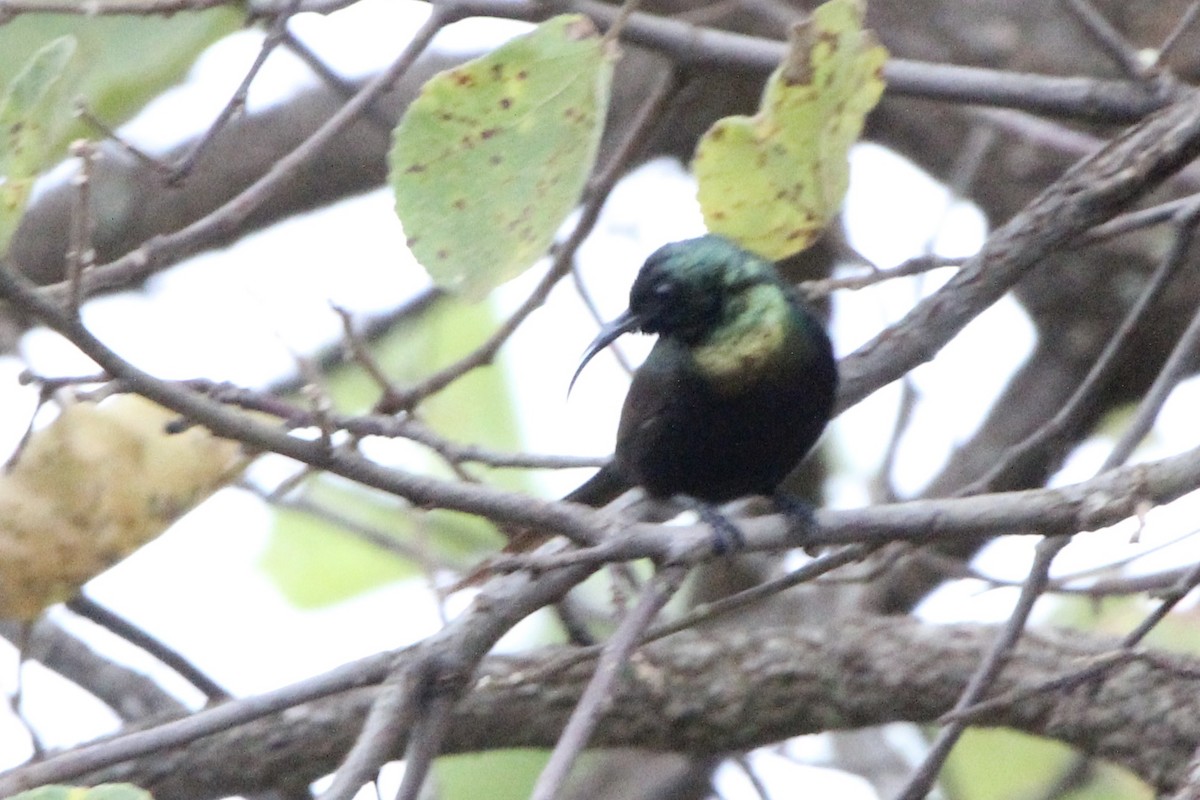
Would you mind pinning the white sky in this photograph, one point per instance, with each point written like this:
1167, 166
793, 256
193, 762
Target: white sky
208, 596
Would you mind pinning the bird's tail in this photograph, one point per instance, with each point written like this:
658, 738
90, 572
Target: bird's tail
598, 490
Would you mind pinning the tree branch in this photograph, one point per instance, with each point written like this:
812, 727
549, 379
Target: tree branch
1089, 193
738, 689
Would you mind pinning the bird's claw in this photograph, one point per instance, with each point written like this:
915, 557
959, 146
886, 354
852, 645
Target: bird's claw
726, 536
801, 515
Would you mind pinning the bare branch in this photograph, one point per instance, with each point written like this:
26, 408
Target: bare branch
1091, 192
711, 693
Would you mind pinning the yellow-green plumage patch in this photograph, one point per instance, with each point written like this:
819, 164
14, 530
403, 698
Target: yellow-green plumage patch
750, 339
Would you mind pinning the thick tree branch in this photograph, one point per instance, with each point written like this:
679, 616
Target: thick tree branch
1091, 192
738, 689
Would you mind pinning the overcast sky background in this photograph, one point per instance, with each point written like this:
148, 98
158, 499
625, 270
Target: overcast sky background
199, 587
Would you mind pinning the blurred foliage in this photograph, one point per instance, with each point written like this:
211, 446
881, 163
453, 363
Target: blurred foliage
497, 775
32, 112
996, 764
123, 61
108, 791
982, 764
317, 562
1116, 616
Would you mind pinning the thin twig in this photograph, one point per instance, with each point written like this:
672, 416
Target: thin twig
92, 121
417, 431
1119, 50
614, 658
81, 256
89, 609
913, 266
1180, 590
384, 539
1107, 362
705, 612
614, 29
1177, 368
343, 87
881, 486
921, 781
382, 425
443, 671
213, 227
1142, 218
363, 355
1066, 584
424, 746
1096, 666
1186, 20
12, 8
237, 102
589, 303
396, 709
374, 328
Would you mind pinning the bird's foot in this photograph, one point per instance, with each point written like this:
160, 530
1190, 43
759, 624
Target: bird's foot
726, 536
801, 515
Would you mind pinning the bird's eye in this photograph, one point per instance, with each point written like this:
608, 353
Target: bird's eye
666, 290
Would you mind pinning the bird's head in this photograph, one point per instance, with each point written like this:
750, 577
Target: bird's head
683, 290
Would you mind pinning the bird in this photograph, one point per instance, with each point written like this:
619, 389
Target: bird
734, 393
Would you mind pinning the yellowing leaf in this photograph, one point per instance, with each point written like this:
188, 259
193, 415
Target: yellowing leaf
93, 486
493, 154
773, 182
29, 111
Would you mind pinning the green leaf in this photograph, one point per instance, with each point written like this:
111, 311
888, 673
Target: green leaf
1116, 616
120, 63
29, 113
774, 181
496, 775
315, 562
997, 764
123, 60
105, 791
493, 154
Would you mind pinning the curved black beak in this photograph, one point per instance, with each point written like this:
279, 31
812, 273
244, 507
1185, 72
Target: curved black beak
626, 323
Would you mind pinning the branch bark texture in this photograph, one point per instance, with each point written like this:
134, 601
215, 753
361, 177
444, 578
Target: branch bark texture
738, 689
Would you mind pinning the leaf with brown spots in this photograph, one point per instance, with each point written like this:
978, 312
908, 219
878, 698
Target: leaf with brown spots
493, 154
773, 182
